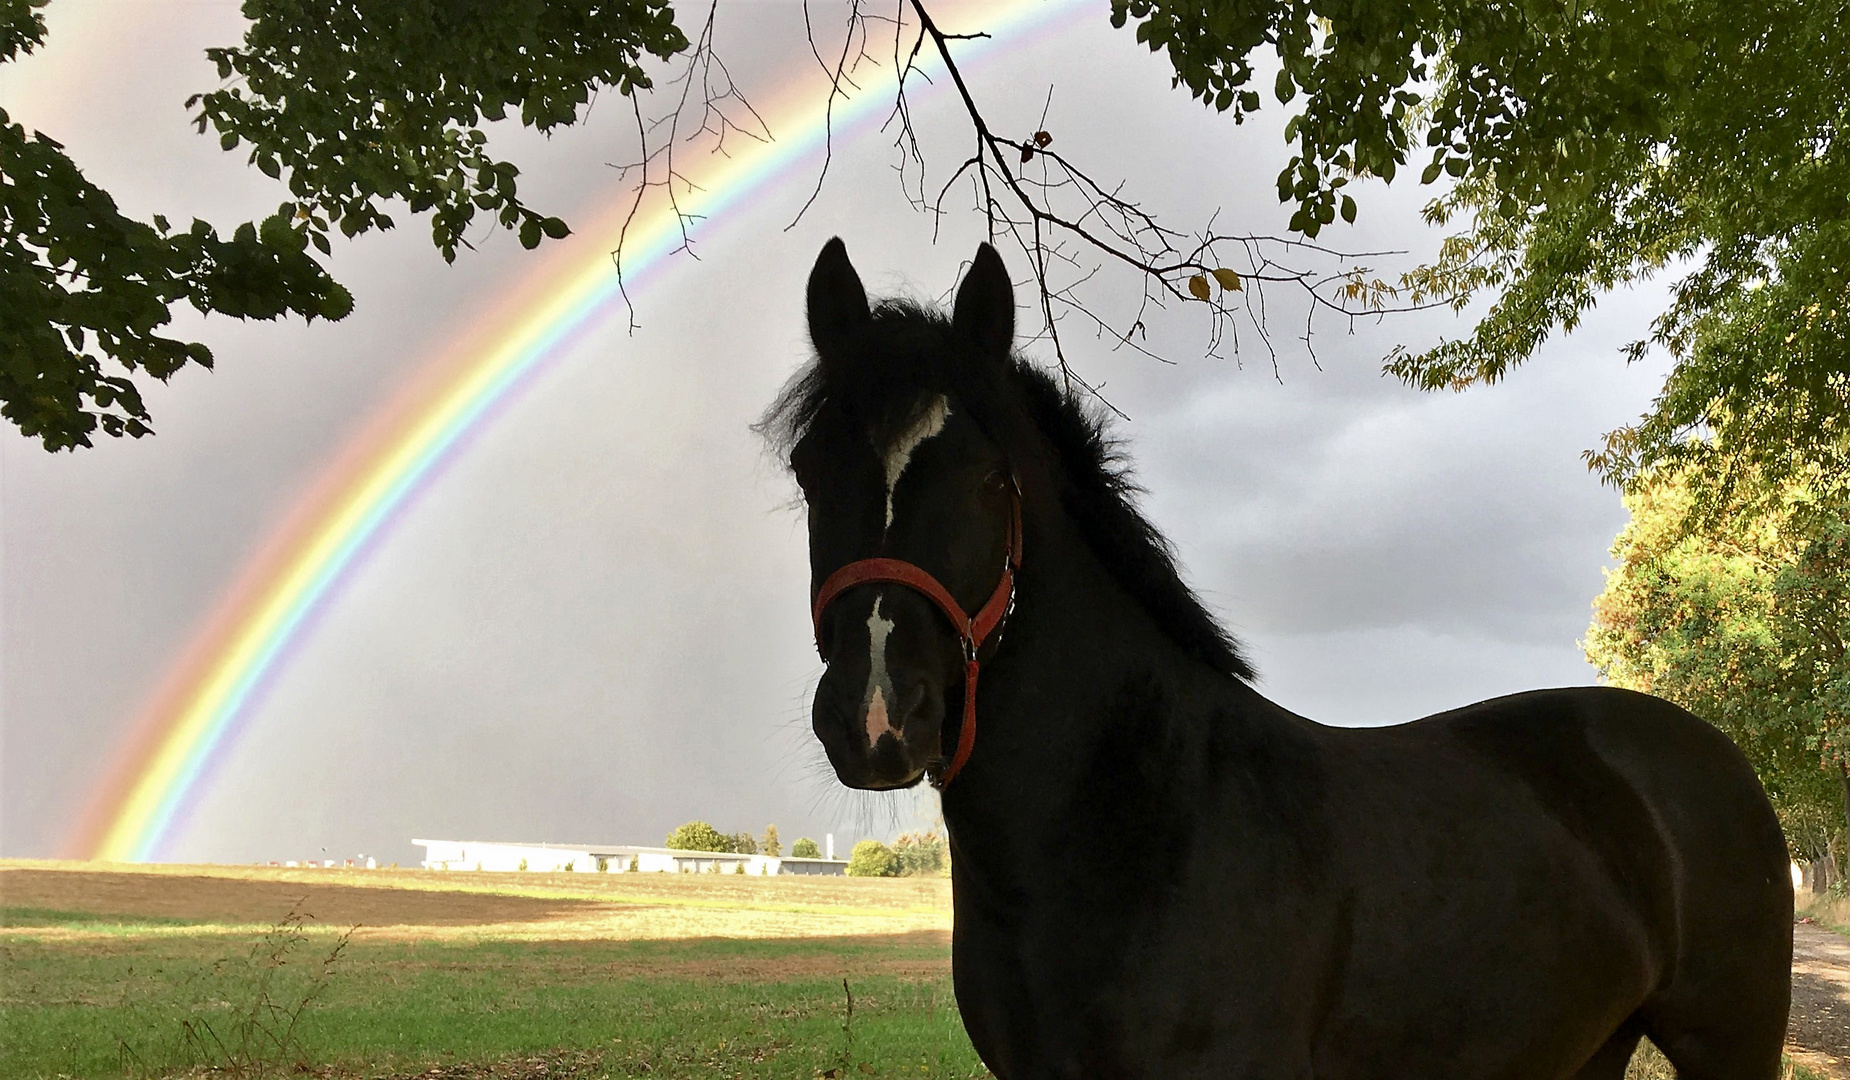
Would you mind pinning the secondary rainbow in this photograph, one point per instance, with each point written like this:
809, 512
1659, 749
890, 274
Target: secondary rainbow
204, 701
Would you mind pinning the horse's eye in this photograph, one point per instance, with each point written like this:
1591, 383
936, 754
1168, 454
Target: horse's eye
997, 480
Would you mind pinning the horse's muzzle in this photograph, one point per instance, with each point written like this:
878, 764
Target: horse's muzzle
881, 736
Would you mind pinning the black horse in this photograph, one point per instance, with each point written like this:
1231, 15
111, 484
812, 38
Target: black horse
1158, 872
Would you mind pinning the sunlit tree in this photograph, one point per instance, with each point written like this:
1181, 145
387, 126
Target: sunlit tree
871, 858
1745, 624
698, 836
921, 854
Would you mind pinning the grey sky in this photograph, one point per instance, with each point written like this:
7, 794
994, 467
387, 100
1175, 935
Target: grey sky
592, 626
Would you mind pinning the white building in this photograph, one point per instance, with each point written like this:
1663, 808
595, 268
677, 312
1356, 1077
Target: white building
609, 859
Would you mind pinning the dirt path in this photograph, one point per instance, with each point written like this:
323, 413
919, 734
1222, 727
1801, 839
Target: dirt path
1819, 1031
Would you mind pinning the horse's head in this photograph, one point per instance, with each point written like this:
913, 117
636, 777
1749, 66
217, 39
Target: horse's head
898, 471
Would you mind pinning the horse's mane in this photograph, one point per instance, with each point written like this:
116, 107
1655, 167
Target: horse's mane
918, 356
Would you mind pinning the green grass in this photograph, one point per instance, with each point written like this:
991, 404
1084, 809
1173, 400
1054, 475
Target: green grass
697, 1009
673, 1009
90, 921
94, 995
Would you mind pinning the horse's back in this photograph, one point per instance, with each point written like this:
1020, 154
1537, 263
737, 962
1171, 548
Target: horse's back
1672, 809
1604, 761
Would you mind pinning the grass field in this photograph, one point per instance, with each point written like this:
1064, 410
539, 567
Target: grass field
139, 971
260, 972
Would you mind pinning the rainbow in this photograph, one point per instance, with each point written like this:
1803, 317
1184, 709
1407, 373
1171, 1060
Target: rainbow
205, 700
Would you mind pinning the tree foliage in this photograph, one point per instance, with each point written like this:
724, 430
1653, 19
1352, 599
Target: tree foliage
698, 836
925, 854
1747, 627
805, 848
86, 290
1591, 145
353, 103
871, 858
1586, 146
364, 101
769, 844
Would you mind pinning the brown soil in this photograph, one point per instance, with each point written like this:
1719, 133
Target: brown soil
404, 904
1819, 1031
212, 899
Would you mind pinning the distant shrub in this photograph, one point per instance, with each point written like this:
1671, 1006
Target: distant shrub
699, 836
805, 849
635, 863
768, 844
523, 864
738, 868
603, 864
924, 854
871, 858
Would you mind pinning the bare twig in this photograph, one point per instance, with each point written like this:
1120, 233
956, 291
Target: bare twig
1069, 226
724, 113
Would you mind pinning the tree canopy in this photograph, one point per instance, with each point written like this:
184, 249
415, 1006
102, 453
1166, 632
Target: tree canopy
1591, 144
871, 858
1585, 146
1746, 627
698, 836
353, 104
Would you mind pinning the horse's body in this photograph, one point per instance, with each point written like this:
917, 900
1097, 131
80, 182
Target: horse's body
1157, 872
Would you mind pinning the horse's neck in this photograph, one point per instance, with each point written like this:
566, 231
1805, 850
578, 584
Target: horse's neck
1078, 653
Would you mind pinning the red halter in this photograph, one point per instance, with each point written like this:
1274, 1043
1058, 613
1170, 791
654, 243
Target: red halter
974, 629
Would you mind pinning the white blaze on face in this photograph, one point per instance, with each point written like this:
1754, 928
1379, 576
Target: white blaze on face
879, 685
899, 455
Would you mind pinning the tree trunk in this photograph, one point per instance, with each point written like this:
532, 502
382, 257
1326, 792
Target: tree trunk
1843, 865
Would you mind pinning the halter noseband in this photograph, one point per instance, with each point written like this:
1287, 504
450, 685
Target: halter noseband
973, 629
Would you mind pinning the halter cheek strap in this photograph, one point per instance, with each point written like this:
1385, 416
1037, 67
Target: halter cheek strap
975, 630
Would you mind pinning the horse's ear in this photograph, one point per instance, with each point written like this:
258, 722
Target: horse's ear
985, 311
838, 313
